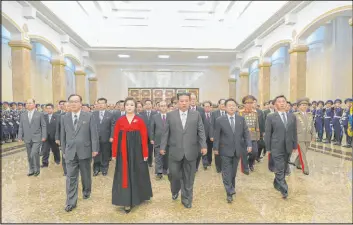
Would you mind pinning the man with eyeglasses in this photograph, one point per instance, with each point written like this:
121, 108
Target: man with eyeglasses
79, 140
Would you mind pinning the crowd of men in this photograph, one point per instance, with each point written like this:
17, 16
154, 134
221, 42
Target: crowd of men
295, 124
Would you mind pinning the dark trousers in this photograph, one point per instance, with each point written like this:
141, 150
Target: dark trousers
181, 177
229, 172
218, 163
348, 138
101, 161
150, 152
161, 161
74, 167
328, 129
337, 130
63, 163
50, 144
198, 160
33, 149
207, 159
280, 166
253, 154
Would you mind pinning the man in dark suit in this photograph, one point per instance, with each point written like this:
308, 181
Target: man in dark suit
184, 134
231, 140
220, 112
147, 116
281, 139
261, 118
105, 123
194, 107
65, 109
157, 126
207, 123
80, 142
61, 107
33, 131
51, 122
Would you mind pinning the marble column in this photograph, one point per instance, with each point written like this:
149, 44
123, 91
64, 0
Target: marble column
58, 80
80, 83
244, 83
264, 82
21, 70
92, 89
350, 22
232, 88
297, 72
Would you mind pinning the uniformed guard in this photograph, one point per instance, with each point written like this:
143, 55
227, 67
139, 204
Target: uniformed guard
38, 108
20, 108
305, 132
328, 116
345, 118
338, 112
319, 120
15, 120
251, 119
294, 107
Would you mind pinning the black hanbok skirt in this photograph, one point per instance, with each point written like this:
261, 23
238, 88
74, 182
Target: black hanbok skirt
139, 184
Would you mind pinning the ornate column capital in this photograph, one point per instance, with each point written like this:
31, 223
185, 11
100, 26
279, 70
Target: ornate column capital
264, 64
20, 44
298, 48
350, 22
80, 73
233, 80
244, 74
58, 61
93, 79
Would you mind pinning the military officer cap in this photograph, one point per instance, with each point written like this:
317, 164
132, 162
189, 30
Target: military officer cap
348, 100
13, 103
338, 100
248, 98
303, 101
322, 102
329, 101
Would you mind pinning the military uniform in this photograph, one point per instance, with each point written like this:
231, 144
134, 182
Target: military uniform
344, 121
328, 116
337, 126
305, 133
319, 122
252, 120
7, 121
14, 120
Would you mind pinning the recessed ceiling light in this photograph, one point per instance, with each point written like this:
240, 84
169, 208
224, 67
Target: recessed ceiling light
123, 56
163, 56
202, 57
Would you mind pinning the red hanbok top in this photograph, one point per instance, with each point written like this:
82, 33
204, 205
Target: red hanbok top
122, 124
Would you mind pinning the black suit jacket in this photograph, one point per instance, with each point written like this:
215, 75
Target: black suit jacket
261, 118
157, 129
228, 143
58, 125
51, 127
147, 120
278, 139
106, 128
209, 133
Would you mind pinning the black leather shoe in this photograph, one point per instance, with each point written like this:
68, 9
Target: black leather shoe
104, 173
43, 166
285, 195
30, 174
57, 163
150, 165
159, 176
205, 167
86, 196
306, 173
219, 171
36, 174
252, 168
229, 198
95, 173
188, 206
127, 209
299, 168
69, 208
175, 197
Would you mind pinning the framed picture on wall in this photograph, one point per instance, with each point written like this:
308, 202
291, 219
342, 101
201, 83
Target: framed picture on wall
135, 93
146, 94
194, 91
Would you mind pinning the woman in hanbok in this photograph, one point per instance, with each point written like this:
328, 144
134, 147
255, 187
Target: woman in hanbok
131, 184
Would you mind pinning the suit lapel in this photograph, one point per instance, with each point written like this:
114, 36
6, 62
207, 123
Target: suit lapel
71, 122
80, 120
179, 119
226, 121
27, 119
190, 113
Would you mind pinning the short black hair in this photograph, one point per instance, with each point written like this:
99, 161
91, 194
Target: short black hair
219, 101
139, 102
183, 94
102, 99
86, 105
157, 103
209, 102
170, 105
148, 100
62, 101
289, 102
230, 100
266, 103
33, 101
277, 97
73, 95
49, 104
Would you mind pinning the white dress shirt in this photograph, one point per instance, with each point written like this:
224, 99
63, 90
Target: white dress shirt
50, 116
230, 119
73, 116
183, 120
222, 112
280, 114
30, 115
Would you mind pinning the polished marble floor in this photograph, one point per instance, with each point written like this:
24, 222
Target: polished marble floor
323, 196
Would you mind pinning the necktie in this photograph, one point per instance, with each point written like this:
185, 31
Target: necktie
208, 116
284, 120
101, 116
222, 113
148, 115
49, 118
194, 109
163, 118
183, 116
232, 124
30, 116
75, 122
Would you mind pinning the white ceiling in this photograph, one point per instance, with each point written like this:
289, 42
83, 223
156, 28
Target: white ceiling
162, 24
150, 56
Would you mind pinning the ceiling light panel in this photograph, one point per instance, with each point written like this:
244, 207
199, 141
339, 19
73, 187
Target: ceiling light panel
163, 56
202, 57
123, 56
